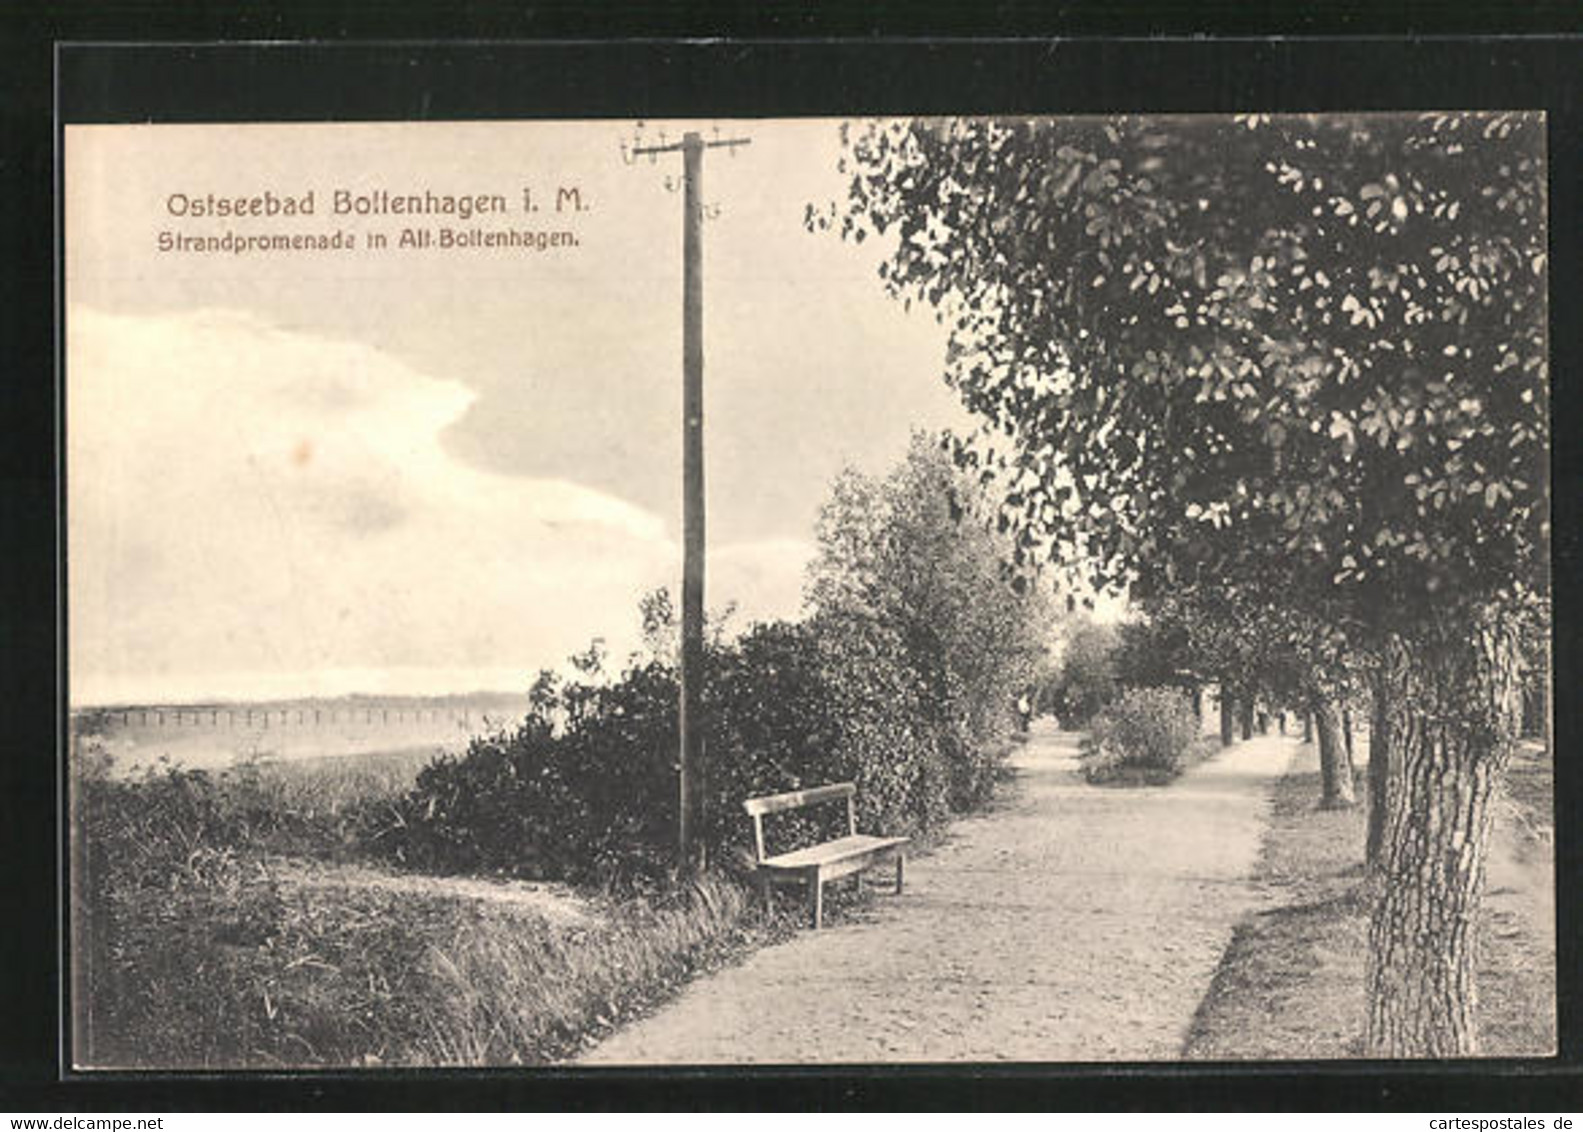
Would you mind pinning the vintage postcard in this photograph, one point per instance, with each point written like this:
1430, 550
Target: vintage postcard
808, 591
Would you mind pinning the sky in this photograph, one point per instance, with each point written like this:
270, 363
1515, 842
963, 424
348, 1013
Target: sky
431, 470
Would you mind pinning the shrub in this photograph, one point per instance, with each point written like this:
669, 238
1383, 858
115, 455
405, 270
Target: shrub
585, 787
903, 679
1147, 732
165, 827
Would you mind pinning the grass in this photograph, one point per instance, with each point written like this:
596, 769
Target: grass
1517, 982
518, 998
1291, 982
278, 975
1530, 784
224, 921
257, 972
241, 959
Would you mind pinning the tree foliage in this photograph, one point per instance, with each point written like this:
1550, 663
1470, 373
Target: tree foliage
911, 559
1205, 347
1156, 649
1086, 677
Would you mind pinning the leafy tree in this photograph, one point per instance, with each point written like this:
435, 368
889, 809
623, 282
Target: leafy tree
1300, 352
1156, 651
1308, 662
1087, 678
912, 557
1220, 639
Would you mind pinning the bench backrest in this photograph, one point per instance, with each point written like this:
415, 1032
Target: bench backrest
797, 800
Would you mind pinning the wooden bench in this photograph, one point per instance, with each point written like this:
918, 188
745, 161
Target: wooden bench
815, 864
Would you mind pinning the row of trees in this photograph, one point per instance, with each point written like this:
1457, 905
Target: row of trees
1290, 373
903, 676
1259, 663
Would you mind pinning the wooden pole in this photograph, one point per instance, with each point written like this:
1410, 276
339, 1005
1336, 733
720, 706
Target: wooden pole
691, 764
692, 769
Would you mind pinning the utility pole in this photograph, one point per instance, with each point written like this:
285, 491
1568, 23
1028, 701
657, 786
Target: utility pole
691, 764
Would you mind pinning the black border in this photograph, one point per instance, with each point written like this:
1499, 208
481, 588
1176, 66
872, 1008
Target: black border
401, 79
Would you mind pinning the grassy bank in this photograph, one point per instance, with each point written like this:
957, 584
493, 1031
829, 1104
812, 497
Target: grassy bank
289, 966
1291, 983
230, 920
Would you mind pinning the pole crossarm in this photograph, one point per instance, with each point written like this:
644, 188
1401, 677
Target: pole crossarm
676, 147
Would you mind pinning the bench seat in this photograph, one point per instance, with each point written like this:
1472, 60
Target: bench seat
858, 845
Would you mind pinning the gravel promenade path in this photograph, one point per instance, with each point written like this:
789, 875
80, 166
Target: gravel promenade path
1077, 923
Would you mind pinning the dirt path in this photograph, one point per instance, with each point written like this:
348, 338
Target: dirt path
1079, 923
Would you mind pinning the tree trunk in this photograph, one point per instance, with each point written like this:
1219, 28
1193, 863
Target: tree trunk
1530, 725
1228, 734
1308, 727
1384, 772
1264, 723
1346, 730
1335, 763
1245, 714
1453, 735
1198, 702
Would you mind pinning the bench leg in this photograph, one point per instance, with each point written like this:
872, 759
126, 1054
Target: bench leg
901, 863
764, 893
816, 900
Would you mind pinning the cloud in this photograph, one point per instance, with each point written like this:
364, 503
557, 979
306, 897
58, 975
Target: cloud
258, 496
243, 498
765, 578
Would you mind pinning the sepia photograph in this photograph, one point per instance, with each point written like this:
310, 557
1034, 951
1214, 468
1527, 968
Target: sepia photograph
818, 591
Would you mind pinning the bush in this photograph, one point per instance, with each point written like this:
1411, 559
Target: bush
903, 679
584, 789
1147, 733
165, 827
